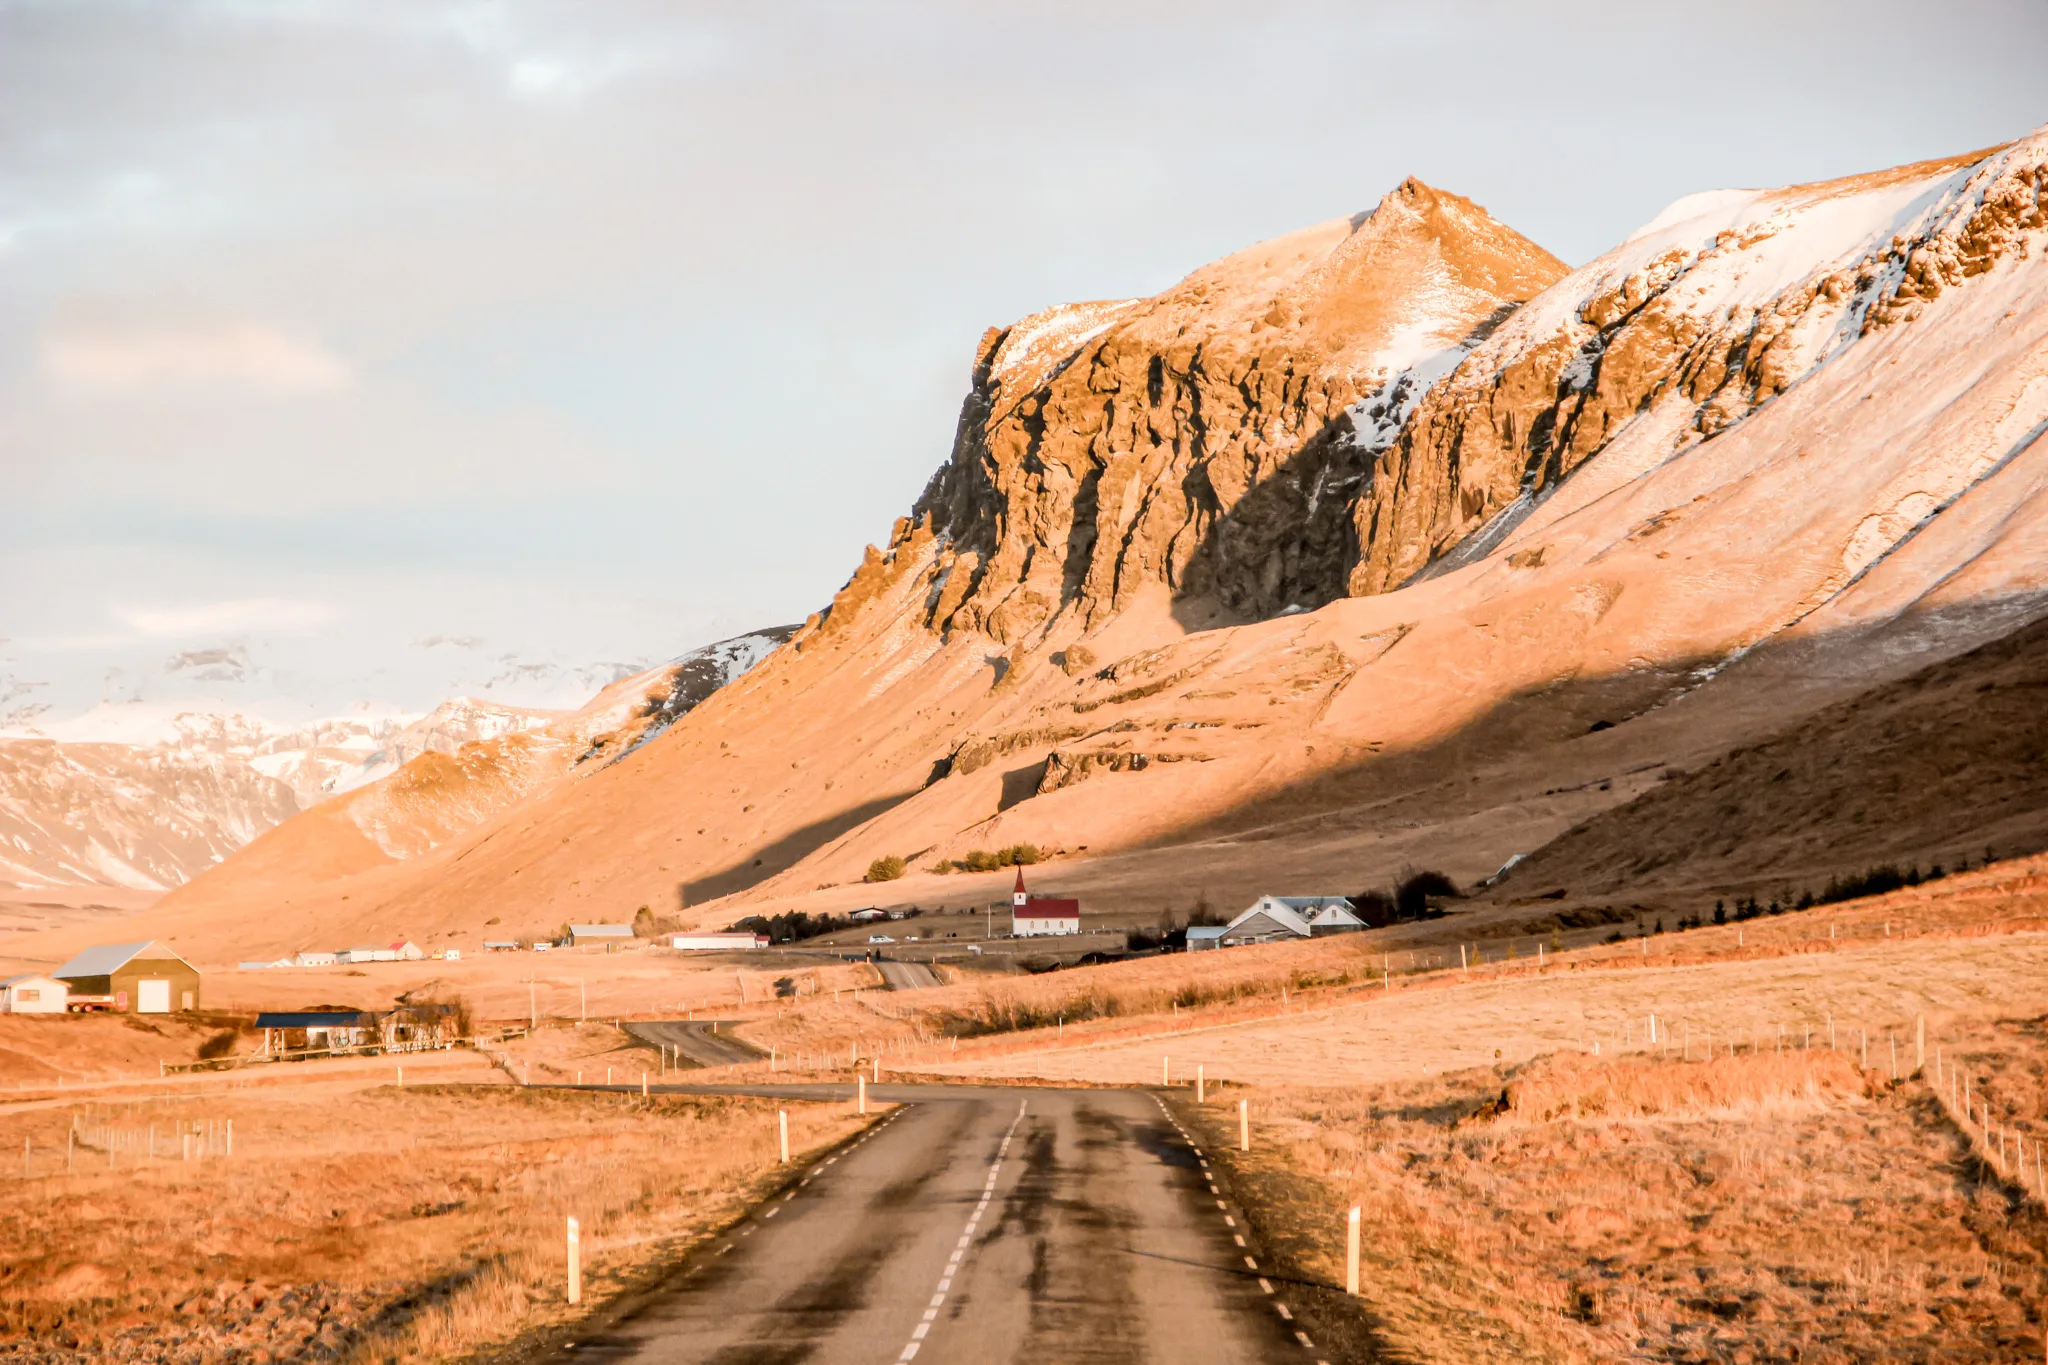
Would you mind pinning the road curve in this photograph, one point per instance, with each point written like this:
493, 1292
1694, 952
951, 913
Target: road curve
1016, 1227
694, 1040
907, 976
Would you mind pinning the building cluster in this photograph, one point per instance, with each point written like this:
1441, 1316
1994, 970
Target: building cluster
1279, 919
122, 978
408, 1028
405, 950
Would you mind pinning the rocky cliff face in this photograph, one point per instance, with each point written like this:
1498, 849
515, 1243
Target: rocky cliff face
1340, 410
1203, 439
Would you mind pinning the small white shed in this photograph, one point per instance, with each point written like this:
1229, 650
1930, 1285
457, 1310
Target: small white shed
33, 994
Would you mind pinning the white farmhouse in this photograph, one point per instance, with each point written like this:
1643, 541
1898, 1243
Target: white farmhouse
33, 994
1277, 919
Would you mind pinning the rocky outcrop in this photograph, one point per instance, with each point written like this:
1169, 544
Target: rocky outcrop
1203, 439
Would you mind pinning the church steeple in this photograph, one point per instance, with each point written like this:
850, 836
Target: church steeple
1019, 897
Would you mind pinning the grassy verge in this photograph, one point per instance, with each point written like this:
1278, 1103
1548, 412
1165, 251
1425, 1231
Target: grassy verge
1761, 1207
416, 1224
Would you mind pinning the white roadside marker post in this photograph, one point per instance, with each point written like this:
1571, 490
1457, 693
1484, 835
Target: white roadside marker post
575, 1262
1165, 1071
643, 1085
878, 1068
1351, 1253
862, 1083
782, 1122
1244, 1125
1201, 1088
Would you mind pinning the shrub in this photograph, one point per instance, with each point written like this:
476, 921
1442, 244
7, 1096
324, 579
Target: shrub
647, 924
1412, 895
886, 869
219, 1045
791, 926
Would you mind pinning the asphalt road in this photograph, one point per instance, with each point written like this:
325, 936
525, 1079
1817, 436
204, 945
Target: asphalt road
908, 976
694, 1041
1034, 1227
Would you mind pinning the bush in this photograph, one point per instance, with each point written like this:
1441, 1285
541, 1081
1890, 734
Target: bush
791, 926
886, 869
219, 1045
647, 924
1412, 895
989, 860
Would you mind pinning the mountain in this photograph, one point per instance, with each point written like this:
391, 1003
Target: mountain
1391, 542
142, 797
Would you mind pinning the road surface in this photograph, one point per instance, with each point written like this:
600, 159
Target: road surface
1020, 1227
694, 1042
908, 976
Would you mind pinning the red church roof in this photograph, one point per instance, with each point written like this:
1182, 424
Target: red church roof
1050, 907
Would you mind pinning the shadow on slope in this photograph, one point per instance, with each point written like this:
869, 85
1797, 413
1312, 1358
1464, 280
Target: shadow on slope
759, 864
1802, 773
1945, 763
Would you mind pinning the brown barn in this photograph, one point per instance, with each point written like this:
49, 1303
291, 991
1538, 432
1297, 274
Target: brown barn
131, 978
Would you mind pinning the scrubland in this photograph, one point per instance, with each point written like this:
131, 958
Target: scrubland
358, 1225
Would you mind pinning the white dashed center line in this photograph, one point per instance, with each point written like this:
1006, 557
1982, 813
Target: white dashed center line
988, 1189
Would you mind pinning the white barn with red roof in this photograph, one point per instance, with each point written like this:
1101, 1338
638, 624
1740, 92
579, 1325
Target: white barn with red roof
1034, 915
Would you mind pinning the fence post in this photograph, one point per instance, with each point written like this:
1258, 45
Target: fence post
782, 1122
1351, 1253
575, 1263
1919, 1043
1244, 1125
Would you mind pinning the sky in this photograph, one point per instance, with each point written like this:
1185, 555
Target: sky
356, 354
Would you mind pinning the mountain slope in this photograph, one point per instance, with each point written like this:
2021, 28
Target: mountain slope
1936, 767
1778, 448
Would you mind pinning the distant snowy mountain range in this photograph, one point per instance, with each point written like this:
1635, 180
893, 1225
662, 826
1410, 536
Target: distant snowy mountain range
143, 795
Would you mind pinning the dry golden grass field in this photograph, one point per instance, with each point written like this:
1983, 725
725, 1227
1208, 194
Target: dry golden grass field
352, 1223
1763, 1207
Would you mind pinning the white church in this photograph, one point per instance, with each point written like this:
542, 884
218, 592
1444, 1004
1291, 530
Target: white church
1034, 915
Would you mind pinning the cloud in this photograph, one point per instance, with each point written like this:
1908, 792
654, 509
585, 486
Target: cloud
85, 358
295, 616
